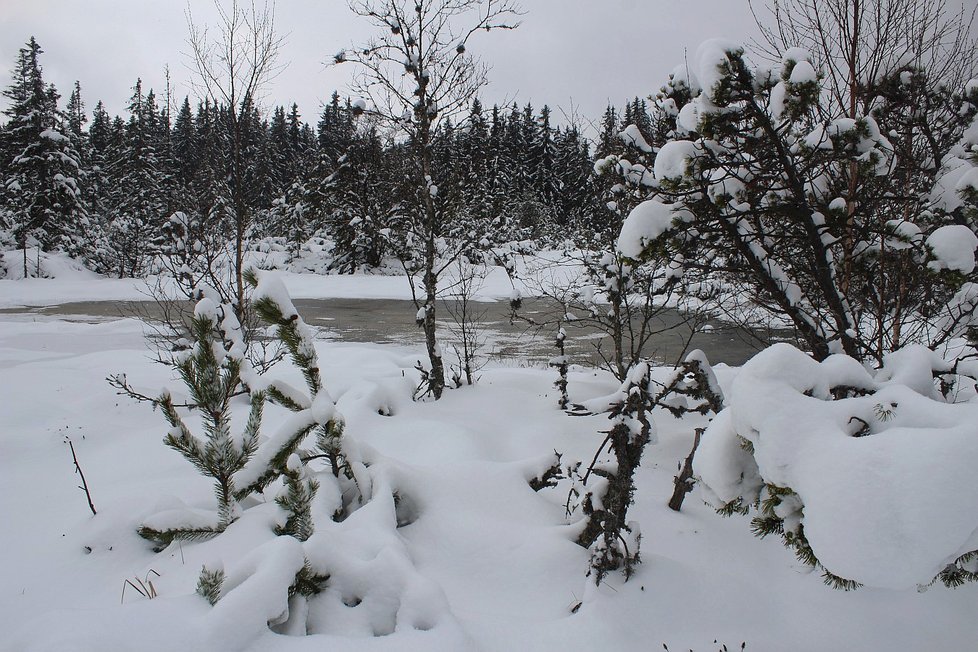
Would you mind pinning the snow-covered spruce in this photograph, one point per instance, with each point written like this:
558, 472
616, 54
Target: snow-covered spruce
40, 167
867, 476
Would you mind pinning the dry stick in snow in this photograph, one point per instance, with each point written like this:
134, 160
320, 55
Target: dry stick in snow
78, 470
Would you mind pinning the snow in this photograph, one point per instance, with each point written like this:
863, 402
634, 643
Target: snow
206, 309
778, 96
803, 73
689, 118
797, 55
647, 222
673, 159
818, 138
968, 180
905, 234
255, 592
272, 288
632, 136
68, 281
713, 57
956, 175
481, 561
54, 136
953, 248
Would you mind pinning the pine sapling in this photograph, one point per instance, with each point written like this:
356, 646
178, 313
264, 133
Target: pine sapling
210, 584
607, 532
211, 372
296, 499
273, 304
612, 539
308, 581
561, 363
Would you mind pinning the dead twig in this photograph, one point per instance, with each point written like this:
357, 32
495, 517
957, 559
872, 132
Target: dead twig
145, 586
84, 485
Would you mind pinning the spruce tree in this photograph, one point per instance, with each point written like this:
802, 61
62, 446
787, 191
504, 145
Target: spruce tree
184, 146
474, 163
138, 203
280, 150
356, 203
42, 189
543, 161
576, 201
608, 141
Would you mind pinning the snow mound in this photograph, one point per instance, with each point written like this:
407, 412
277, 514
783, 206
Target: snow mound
883, 482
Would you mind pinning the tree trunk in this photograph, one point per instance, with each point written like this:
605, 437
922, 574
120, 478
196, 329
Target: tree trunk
684, 481
436, 378
240, 216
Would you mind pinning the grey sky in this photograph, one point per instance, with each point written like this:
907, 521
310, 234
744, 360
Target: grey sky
566, 52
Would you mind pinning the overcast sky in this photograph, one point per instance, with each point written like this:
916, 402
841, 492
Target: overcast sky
566, 53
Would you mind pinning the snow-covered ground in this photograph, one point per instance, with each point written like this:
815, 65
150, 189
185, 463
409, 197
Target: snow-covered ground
69, 281
485, 564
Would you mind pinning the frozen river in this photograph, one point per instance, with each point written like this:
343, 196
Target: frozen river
517, 343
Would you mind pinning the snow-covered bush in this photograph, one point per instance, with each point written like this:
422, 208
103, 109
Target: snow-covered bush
193, 251
605, 529
830, 220
867, 476
761, 188
322, 537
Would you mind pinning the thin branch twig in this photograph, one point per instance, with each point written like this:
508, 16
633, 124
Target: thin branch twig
78, 470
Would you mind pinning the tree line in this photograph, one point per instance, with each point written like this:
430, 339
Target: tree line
103, 189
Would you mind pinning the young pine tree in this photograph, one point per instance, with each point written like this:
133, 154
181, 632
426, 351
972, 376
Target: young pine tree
211, 371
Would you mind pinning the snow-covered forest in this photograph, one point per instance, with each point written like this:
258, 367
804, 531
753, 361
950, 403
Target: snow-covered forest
203, 448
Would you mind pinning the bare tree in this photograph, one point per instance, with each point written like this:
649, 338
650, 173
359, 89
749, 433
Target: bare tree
233, 67
858, 44
899, 61
415, 73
